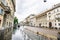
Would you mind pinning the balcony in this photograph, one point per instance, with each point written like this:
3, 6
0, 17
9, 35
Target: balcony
57, 16
7, 9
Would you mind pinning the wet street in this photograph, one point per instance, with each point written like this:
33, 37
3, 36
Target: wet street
17, 34
23, 34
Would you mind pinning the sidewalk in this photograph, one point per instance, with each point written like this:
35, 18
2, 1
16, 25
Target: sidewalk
51, 33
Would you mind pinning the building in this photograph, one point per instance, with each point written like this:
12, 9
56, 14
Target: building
50, 18
7, 9
33, 21
29, 20
41, 20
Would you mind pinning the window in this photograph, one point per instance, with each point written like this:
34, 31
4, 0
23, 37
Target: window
49, 13
46, 23
1, 11
55, 20
7, 23
57, 10
55, 24
59, 24
49, 17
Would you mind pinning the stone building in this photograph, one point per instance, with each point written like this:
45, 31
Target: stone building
7, 9
41, 20
50, 18
29, 20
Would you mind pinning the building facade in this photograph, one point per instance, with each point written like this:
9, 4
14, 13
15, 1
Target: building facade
7, 9
41, 20
49, 18
29, 20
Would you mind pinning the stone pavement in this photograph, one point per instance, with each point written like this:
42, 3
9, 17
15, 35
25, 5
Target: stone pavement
51, 33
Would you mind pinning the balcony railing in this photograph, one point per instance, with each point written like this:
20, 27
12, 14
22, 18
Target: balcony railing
7, 9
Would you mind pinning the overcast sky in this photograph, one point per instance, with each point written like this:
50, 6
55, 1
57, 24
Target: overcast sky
27, 7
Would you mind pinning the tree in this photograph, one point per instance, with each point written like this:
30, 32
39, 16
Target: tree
15, 20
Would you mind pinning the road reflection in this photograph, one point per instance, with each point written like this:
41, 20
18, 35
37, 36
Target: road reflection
17, 34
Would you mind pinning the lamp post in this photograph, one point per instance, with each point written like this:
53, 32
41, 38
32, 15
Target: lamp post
45, 0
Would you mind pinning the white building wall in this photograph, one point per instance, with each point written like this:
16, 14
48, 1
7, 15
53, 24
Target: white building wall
41, 20
44, 20
52, 17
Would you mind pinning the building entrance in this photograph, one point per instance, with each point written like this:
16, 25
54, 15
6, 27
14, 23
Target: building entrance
50, 24
40, 25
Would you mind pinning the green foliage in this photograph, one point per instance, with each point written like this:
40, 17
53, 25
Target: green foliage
15, 20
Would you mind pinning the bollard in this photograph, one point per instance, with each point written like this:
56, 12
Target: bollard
38, 35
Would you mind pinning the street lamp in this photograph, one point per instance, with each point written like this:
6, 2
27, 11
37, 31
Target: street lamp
44, 0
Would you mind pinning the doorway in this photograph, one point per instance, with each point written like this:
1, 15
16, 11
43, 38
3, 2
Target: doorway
40, 25
50, 24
